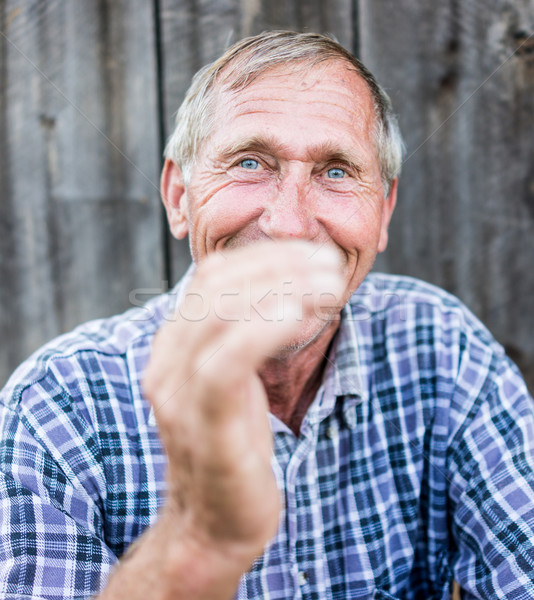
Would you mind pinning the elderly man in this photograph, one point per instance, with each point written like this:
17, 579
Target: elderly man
283, 425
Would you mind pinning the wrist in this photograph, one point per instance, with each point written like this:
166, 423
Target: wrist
208, 564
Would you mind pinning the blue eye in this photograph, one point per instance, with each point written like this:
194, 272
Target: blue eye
336, 173
249, 163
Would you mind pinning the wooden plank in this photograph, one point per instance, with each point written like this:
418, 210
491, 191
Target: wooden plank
461, 75
81, 218
195, 32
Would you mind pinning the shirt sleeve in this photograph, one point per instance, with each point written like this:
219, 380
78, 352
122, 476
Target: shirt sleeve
52, 542
492, 491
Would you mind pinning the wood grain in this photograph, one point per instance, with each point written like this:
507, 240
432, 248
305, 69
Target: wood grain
81, 132
461, 75
81, 222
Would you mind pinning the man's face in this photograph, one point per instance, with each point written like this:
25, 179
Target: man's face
292, 156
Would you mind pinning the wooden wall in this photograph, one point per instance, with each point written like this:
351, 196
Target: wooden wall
81, 223
461, 75
88, 89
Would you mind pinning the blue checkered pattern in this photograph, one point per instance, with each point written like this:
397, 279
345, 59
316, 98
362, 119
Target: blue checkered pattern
415, 463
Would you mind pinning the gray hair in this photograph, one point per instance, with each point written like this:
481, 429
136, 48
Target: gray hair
249, 58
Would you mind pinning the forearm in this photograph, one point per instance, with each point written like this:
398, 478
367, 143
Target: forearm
164, 565
211, 408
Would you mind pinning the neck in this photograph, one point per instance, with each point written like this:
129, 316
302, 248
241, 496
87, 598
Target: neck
292, 381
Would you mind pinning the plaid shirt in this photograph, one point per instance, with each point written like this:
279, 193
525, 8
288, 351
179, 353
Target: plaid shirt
414, 465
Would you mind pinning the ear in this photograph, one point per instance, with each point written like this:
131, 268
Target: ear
387, 211
173, 195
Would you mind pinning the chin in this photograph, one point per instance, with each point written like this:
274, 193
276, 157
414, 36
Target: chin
310, 333
291, 348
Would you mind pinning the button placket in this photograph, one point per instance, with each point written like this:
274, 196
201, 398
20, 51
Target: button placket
305, 446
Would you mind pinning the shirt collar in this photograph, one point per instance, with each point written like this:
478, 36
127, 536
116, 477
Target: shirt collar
342, 373
341, 380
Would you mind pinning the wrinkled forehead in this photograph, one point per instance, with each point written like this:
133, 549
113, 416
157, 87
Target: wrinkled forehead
238, 74
234, 78
337, 74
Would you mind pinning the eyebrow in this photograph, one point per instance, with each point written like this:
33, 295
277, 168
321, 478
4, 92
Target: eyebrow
266, 144
323, 152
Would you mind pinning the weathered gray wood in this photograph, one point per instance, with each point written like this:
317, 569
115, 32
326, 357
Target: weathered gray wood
195, 32
461, 75
81, 220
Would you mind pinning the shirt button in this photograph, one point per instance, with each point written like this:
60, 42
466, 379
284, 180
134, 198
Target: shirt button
332, 433
302, 578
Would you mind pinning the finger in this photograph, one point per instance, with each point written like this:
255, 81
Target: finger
258, 279
269, 291
264, 282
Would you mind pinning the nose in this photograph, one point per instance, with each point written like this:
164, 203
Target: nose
290, 214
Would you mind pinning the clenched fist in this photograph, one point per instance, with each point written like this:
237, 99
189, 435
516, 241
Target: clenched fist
242, 308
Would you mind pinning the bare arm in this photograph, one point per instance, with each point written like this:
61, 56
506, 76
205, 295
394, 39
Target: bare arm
222, 505
164, 564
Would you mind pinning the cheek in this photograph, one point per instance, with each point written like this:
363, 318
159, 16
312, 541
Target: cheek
354, 225
228, 211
